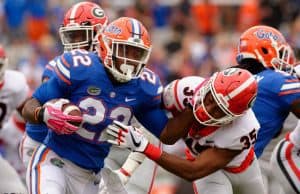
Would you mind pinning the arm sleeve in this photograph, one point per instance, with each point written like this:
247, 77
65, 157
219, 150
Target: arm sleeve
50, 90
154, 120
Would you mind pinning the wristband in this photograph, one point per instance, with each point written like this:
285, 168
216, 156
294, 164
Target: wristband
153, 152
123, 171
39, 114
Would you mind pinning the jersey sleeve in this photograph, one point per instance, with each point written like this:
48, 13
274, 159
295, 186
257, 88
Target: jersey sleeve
150, 114
151, 88
154, 120
288, 90
49, 69
178, 93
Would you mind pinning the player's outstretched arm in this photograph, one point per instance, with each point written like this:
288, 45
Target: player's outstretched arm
209, 161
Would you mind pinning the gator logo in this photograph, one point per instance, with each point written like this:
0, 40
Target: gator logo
57, 162
230, 71
99, 13
113, 29
262, 34
92, 90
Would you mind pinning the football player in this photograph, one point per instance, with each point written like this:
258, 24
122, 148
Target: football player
264, 52
13, 92
219, 129
119, 88
285, 162
81, 25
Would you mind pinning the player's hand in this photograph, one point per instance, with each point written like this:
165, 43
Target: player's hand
57, 121
127, 137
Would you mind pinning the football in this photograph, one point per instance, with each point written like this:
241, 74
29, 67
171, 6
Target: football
66, 107
71, 109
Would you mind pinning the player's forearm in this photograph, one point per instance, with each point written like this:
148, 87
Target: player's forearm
177, 127
207, 162
29, 111
188, 170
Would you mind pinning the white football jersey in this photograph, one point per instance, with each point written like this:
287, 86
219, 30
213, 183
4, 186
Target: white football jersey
12, 94
240, 134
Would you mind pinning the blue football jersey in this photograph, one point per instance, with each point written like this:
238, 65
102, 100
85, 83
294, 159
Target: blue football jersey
38, 132
82, 78
276, 92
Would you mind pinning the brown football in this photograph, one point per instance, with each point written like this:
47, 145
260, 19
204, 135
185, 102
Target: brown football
71, 109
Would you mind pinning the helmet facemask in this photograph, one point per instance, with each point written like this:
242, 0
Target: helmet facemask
284, 55
80, 36
125, 59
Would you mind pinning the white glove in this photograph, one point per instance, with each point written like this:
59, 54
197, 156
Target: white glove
127, 137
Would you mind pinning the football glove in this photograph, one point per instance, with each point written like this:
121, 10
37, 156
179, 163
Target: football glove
57, 121
127, 137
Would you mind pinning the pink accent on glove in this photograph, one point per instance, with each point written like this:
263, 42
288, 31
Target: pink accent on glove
59, 122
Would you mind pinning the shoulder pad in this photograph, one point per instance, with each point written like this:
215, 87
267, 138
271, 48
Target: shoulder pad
150, 83
73, 65
178, 93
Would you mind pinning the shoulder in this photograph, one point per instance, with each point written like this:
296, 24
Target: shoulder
232, 135
49, 68
15, 81
77, 58
177, 93
273, 77
246, 122
150, 83
276, 80
76, 65
15, 77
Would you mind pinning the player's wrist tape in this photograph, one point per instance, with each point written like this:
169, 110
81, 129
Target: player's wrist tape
125, 172
39, 114
153, 152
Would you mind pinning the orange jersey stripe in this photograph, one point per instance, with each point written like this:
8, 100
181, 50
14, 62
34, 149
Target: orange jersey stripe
289, 92
62, 77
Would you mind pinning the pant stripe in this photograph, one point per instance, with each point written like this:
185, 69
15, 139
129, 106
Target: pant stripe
38, 157
281, 165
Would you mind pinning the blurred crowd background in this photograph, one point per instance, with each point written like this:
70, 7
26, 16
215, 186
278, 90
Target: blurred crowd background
190, 37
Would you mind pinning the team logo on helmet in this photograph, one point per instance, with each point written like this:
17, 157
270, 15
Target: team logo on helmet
113, 29
97, 12
230, 71
261, 34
